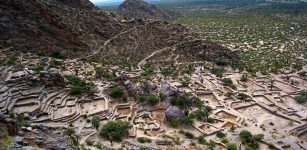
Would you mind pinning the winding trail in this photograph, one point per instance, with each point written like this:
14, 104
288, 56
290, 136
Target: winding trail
106, 43
152, 54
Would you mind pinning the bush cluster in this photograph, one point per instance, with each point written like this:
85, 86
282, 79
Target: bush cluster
78, 86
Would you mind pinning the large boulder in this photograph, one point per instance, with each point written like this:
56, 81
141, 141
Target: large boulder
174, 112
166, 89
53, 77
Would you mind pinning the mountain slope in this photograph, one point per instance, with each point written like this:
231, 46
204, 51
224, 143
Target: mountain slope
140, 9
77, 29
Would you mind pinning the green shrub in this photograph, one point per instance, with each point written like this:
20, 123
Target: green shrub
225, 140
102, 73
89, 142
201, 140
142, 98
116, 92
246, 136
218, 72
302, 97
242, 96
187, 134
211, 145
258, 137
39, 67
54, 63
79, 86
115, 130
220, 134
231, 146
152, 99
148, 70
228, 82
143, 140
271, 146
57, 55
98, 145
166, 72
222, 63
211, 120
244, 78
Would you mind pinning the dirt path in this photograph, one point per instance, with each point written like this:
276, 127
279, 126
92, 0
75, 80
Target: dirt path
106, 43
152, 54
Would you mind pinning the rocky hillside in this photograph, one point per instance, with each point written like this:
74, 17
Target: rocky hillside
140, 9
77, 28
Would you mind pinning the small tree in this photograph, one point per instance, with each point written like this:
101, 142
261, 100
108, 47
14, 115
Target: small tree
115, 130
95, 121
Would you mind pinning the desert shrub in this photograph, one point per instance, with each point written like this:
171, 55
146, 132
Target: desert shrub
244, 78
220, 134
78, 86
181, 102
187, 134
115, 130
89, 142
143, 140
116, 92
102, 73
218, 72
54, 63
222, 63
166, 71
187, 120
210, 120
98, 145
152, 99
228, 82
39, 67
211, 145
231, 146
258, 137
242, 96
248, 139
57, 55
21, 122
184, 82
148, 70
302, 97
201, 140
225, 140
11, 61
271, 146
95, 121
230, 94
142, 98
246, 136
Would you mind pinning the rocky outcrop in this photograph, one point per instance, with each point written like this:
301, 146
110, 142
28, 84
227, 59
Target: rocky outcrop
174, 112
139, 9
166, 89
53, 77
